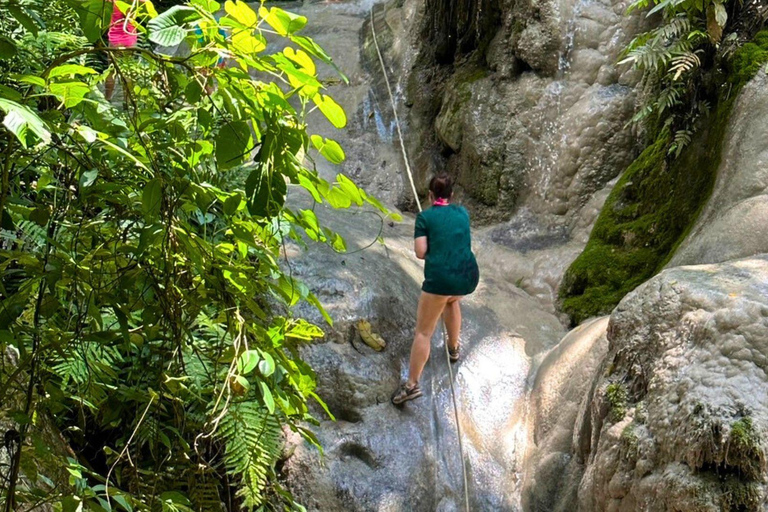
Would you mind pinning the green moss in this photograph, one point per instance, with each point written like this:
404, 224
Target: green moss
654, 205
738, 495
749, 59
617, 401
629, 442
745, 451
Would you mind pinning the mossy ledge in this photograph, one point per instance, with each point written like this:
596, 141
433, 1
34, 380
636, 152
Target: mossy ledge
654, 205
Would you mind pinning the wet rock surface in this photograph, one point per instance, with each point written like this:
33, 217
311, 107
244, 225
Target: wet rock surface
558, 403
378, 457
539, 120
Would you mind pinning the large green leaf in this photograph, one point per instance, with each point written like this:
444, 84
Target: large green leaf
151, 199
24, 19
232, 144
332, 110
168, 28
22, 122
283, 22
265, 192
241, 12
7, 48
95, 16
71, 93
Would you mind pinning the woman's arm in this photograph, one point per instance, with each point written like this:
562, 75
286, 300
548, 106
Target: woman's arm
420, 247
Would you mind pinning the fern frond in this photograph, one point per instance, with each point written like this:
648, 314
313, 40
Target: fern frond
681, 139
684, 63
253, 445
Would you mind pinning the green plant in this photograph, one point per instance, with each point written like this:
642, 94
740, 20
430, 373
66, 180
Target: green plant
142, 238
670, 57
616, 394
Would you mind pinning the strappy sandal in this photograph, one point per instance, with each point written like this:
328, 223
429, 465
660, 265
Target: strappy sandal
454, 353
405, 393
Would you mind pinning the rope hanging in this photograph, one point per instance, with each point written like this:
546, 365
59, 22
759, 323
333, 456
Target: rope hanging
418, 204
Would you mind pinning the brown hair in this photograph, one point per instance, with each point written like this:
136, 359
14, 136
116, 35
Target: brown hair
441, 186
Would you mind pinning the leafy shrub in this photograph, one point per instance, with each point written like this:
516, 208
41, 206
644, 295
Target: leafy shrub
140, 249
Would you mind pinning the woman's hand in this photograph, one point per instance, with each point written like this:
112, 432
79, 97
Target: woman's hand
420, 247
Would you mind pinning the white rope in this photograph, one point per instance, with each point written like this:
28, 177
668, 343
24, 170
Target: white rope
418, 204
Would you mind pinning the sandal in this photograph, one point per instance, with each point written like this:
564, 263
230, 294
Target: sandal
454, 353
405, 393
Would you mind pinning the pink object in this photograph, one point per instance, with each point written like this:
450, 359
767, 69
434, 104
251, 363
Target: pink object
122, 31
441, 201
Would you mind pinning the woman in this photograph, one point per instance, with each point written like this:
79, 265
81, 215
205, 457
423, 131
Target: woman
441, 238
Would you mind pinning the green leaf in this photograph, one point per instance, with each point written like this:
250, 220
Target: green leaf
241, 12
310, 187
349, 187
24, 19
283, 22
266, 395
232, 203
32, 80
267, 365
247, 43
95, 16
232, 144
71, 70
7, 48
265, 193
332, 111
70, 93
247, 361
329, 148
151, 199
120, 500
168, 28
11, 94
193, 91
210, 6
22, 122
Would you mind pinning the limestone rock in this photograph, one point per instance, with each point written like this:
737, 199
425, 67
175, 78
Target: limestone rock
677, 419
558, 397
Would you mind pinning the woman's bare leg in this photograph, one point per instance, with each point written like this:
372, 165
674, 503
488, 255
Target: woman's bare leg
452, 319
430, 308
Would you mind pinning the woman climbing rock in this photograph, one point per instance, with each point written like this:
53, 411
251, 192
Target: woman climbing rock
441, 238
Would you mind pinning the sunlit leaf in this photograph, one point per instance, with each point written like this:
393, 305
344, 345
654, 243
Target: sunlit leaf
70, 70
332, 111
168, 29
22, 122
329, 148
283, 22
241, 12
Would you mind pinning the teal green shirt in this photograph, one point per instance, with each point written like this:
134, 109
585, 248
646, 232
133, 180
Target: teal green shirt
450, 267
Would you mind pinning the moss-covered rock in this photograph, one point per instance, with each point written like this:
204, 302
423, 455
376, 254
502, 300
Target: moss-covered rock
654, 205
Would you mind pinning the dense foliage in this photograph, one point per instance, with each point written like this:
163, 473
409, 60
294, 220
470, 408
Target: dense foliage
672, 58
145, 314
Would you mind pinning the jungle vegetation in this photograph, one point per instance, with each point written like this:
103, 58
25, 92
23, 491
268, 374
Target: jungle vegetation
150, 358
